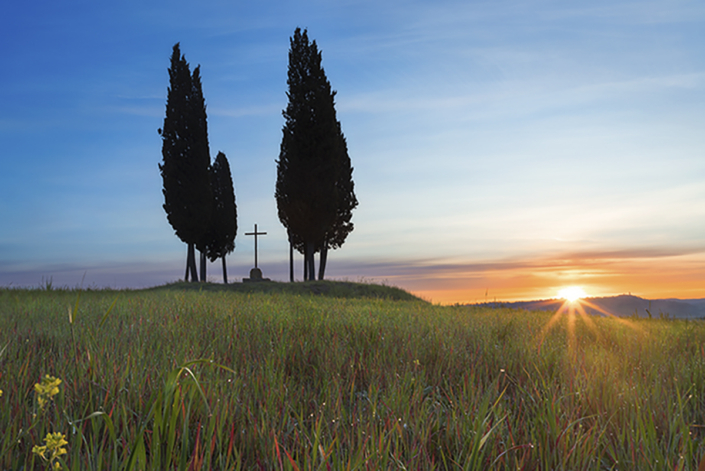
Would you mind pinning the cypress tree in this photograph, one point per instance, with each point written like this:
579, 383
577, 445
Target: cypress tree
203, 199
314, 189
185, 159
223, 228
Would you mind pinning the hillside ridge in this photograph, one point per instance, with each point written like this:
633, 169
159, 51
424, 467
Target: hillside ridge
331, 288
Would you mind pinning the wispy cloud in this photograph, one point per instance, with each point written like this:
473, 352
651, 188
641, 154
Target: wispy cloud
656, 272
660, 271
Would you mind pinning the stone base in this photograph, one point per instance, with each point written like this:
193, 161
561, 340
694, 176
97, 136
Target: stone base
255, 276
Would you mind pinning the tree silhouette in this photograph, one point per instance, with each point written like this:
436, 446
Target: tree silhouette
186, 159
314, 189
201, 151
223, 228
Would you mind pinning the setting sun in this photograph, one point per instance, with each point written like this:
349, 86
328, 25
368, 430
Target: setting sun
572, 293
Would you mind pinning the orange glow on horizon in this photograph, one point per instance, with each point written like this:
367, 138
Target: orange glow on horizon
680, 277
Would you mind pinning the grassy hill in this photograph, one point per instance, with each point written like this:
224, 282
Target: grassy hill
201, 376
336, 289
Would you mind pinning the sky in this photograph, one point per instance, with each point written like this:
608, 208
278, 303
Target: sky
502, 150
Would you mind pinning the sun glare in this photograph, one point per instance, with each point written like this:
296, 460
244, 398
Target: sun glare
572, 293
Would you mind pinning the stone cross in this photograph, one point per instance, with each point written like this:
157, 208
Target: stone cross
255, 234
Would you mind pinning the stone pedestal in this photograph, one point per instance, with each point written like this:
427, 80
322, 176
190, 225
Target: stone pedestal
255, 275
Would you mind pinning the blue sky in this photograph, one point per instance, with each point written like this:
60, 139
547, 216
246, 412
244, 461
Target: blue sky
501, 148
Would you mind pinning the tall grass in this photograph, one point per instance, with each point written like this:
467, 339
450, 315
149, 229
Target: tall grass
305, 383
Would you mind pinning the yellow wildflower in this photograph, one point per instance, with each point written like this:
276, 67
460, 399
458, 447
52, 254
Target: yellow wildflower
46, 390
53, 448
39, 450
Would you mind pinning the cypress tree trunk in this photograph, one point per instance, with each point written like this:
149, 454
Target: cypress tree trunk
203, 266
187, 265
191, 263
310, 261
225, 271
291, 262
324, 259
305, 263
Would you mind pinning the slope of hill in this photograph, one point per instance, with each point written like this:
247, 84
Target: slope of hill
623, 306
336, 289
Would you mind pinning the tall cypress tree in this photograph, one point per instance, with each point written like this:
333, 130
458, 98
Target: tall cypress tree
314, 190
223, 228
201, 158
185, 159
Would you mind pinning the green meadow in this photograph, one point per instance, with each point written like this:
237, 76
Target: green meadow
338, 376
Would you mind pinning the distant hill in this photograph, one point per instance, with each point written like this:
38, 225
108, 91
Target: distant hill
622, 306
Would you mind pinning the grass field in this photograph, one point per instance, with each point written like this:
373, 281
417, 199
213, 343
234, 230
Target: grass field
349, 378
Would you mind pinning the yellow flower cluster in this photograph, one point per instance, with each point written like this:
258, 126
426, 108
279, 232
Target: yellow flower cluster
46, 390
53, 448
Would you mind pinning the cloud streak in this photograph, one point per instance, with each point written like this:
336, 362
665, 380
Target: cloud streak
680, 273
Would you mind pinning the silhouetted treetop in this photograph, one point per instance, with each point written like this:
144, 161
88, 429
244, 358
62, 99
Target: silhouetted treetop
186, 158
314, 190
